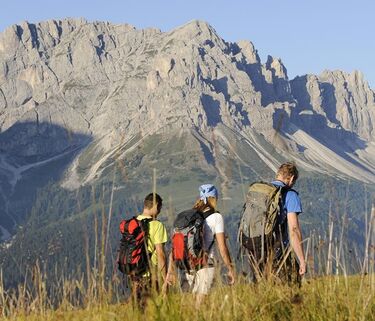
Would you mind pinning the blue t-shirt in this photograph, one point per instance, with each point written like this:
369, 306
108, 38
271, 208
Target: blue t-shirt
291, 204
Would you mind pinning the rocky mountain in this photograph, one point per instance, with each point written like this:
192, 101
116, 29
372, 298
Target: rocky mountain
82, 103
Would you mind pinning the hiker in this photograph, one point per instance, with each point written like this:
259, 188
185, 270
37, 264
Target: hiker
145, 266
271, 233
290, 230
196, 262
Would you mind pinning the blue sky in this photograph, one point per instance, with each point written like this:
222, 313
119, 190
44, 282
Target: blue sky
308, 35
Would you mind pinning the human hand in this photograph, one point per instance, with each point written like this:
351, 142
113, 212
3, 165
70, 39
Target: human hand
302, 268
170, 279
231, 276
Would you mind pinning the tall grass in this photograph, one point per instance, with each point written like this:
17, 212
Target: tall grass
327, 293
324, 298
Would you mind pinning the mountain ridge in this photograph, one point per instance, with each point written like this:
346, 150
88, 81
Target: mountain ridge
92, 95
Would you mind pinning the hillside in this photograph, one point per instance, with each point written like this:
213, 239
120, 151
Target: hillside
88, 110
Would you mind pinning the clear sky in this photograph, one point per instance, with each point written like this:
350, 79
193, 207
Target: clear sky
308, 35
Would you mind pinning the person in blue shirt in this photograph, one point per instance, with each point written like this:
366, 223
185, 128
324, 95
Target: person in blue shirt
289, 227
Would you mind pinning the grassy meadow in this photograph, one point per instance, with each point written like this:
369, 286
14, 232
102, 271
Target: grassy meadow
330, 290
323, 298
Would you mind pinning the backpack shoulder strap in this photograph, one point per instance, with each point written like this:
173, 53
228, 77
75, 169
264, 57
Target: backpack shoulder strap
284, 190
208, 213
205, 215
291, 189
145, 225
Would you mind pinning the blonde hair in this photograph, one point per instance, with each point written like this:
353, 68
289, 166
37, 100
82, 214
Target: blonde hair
288, 170
201, 206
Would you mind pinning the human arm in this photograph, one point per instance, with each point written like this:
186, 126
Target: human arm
158, 236
224, 252
171, 276
171, 272
296, 240
162, 264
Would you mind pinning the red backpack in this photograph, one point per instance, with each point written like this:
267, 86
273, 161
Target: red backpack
187, 240
133, 256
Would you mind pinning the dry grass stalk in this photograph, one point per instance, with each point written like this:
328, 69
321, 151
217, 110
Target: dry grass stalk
329, 255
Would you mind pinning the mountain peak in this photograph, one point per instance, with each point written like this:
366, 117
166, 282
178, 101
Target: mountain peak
199, 25
198, 31
277, 66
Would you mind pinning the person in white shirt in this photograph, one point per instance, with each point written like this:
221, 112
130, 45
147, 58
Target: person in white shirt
200, 282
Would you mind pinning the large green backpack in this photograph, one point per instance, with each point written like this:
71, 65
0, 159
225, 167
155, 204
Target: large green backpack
256, 232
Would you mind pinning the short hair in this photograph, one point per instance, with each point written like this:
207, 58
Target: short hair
288, 170
149, 200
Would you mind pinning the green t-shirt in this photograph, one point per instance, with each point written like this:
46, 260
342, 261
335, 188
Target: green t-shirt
157, 235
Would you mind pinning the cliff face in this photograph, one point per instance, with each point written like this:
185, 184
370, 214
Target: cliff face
99, 78
98, 91
344, 100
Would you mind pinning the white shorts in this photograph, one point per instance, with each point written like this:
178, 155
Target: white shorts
199, 282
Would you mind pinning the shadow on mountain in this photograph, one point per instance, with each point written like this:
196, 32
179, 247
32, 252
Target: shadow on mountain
329, 101
326, 128
32, 155
210, 159
212, 109
277, 91
339, 140
328, 105
221, 86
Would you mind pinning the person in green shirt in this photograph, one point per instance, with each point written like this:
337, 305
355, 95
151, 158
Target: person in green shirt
157, 237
